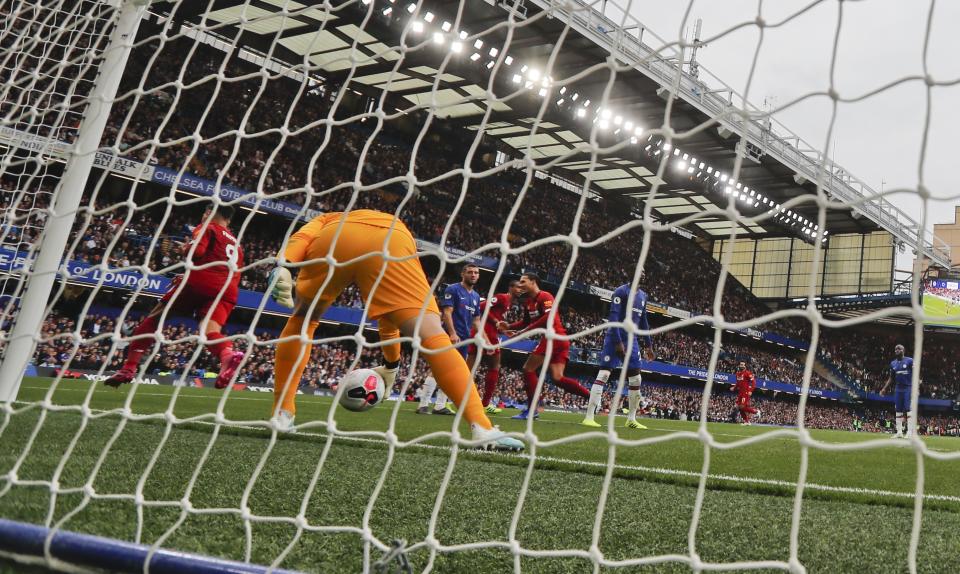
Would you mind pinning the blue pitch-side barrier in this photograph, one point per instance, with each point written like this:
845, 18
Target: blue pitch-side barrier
113, 555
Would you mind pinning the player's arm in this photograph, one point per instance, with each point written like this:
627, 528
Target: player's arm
617, 315
450, 300
280, 279
201, 243
886, 385
448, 324
544, 305
644, 322
477, 323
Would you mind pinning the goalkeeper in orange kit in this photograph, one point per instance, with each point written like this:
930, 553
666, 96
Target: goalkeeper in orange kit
357, 241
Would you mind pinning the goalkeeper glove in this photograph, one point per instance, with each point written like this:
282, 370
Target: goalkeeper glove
388, 375
282, 291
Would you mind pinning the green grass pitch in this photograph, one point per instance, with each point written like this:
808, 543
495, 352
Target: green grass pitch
938, 311
857, 511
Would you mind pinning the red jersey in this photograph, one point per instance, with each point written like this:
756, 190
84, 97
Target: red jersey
215, 243
746, 382
536, 312
499, 305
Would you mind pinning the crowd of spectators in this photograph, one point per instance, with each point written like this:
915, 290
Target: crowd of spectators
169, 125
865, 357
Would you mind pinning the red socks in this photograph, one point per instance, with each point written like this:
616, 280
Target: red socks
530, 378
573, 387
490, 385
138, 347
218, 349
566, 384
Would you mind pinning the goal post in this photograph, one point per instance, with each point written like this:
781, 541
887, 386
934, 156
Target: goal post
26, 325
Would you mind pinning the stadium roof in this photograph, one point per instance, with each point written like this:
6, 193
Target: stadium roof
777, 166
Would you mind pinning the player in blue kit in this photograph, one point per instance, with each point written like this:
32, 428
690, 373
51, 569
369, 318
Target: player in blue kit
460, 308
901, 373
614, 355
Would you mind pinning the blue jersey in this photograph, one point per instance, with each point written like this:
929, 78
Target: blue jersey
618, 313
466, 306
902, 370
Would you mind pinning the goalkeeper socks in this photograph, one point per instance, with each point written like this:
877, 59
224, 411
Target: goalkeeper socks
389, 332
429, 385
531, 380
490, 381
572, 386
291, 359
596, 393
454, 379
217, 346
138, 347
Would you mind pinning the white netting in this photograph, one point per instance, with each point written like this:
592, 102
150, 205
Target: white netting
481, 136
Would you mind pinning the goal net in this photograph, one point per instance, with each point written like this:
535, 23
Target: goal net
547, 140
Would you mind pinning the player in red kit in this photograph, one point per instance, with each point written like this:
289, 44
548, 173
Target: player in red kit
499, 304
746, 383
536, 312
211, 290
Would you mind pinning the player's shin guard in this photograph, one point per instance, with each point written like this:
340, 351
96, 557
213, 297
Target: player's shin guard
633, 396
490, 381
138, 347
454, 379
291, 360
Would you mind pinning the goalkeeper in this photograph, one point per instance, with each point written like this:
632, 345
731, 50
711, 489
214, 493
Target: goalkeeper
397, 302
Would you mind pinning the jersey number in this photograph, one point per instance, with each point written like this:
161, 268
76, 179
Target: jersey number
231, 253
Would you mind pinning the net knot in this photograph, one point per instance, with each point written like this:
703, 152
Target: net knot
394, 559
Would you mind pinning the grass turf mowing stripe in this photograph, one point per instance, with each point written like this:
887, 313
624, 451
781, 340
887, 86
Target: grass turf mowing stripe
574, 463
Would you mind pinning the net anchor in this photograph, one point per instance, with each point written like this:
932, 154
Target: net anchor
394, 560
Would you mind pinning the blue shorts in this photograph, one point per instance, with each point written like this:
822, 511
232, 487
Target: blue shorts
609, 359
901, 399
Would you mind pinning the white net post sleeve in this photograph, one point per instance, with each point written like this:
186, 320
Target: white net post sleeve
67, 199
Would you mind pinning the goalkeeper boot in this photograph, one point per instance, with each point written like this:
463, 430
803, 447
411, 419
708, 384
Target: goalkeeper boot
444, 411
423, 410
283, 421
121, 377
229, 368
633, 424
494, 439
492, 410
589, 422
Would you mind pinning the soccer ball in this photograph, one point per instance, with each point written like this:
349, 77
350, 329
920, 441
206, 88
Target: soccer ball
362, 390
